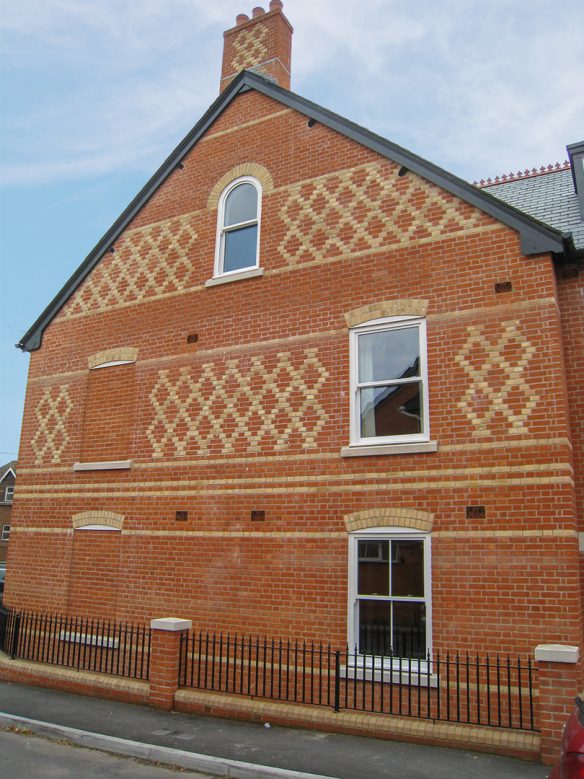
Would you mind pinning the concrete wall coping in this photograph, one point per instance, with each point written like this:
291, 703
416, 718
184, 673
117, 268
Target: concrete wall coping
557, 653
171, 623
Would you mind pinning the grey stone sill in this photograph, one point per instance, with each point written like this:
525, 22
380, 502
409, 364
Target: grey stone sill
387, 673
368, 451
240, 276
108, 465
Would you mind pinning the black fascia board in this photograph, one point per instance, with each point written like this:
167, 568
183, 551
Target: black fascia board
536, 237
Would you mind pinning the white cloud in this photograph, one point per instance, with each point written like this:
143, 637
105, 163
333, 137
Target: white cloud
471, 85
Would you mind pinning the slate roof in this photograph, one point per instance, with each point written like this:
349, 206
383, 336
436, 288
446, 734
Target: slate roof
549, 197
536, 236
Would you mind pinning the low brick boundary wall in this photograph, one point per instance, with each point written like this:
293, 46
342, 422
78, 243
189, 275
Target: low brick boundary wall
515, 743
56, 677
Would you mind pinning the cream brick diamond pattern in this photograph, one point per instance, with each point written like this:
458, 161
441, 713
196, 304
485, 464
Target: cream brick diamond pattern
147, 262
51, 436
363, 209
251, 405
495, 366
250, 48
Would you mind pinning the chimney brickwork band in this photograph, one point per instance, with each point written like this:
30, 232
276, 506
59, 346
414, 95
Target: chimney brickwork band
262, 44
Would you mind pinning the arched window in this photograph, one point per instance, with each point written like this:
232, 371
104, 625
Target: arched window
238, 227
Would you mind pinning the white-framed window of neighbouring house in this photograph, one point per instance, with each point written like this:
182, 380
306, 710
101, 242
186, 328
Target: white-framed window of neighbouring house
389, 382
238, 227
5, 533
390, 593
9, 493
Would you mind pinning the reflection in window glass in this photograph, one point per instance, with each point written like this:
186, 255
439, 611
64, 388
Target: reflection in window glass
239, 229
391, 598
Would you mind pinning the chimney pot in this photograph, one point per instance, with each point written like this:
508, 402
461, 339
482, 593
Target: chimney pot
276, 5
257, 11
241, 18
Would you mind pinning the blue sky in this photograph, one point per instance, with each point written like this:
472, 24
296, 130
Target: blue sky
96, 93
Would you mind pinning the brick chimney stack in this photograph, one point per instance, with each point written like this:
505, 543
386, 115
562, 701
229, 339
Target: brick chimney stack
262, 44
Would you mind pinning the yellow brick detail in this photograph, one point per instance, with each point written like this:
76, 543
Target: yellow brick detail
256, 404
147, 262
364, 209
250, 48
52, 413
496, 369
105, 518
254, 169
121, 354
406, 307
389, 517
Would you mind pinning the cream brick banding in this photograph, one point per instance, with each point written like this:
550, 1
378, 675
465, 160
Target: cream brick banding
104, 520
254, 169
122, 354
389, 517
389, 308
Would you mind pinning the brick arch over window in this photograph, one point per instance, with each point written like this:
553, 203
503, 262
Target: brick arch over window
104, 519
389, 517
121, 354
388, 308
254, 169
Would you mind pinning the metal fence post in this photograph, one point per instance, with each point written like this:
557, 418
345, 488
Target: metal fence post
337, 680
15, 636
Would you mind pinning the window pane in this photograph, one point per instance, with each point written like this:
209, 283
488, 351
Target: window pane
409, 630
407, 568
374, 627
241, 205
240, 248
373, 578
389, 354
393, 410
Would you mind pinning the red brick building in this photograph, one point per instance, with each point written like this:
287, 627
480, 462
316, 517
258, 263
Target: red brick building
311, 385
7, 481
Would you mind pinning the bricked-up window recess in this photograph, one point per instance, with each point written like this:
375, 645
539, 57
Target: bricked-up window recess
389, 593
389, 382
109, 413
238, 227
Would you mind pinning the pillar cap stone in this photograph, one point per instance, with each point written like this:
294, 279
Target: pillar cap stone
171, 624
557, 653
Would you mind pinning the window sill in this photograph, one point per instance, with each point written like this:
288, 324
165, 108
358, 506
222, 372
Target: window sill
382, 449
386, 674
252, 273
110, 465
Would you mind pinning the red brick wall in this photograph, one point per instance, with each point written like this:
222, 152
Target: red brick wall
571, 301
374, 237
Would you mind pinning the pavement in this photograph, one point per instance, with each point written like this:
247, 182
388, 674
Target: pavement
241, 750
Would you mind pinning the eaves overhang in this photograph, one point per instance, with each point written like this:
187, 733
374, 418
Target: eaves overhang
536, 237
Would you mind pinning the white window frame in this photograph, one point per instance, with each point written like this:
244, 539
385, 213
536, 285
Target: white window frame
388, 534
9, 493
5, 533
380, 325
221, 230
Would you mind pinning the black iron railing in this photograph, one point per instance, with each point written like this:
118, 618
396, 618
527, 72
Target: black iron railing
76, 642
453, 687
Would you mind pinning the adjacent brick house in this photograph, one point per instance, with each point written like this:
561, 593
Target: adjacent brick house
7, 480
310, 384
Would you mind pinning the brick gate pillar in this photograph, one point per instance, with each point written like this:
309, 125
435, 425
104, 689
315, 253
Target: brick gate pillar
165, 660
559, 675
